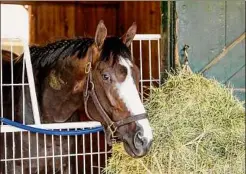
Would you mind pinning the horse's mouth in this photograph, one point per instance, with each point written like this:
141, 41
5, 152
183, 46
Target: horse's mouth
133, 151
129, 150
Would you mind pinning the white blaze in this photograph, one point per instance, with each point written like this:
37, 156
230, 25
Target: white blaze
129, 94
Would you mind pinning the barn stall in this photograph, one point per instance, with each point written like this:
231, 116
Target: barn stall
48, 22
156, 48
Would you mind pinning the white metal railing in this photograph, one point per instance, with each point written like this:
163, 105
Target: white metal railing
7, 42
147, 37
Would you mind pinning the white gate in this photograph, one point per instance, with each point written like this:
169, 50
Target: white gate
146, 50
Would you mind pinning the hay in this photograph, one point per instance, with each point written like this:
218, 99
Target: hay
198, 128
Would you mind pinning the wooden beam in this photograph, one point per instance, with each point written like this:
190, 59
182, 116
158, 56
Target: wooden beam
223, 53
37, 2
93, 3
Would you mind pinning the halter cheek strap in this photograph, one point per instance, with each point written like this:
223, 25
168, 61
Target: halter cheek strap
90, 92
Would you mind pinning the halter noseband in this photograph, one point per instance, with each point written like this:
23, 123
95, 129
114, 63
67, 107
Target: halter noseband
89, 91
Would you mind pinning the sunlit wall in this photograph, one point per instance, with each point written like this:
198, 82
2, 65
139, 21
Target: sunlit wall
14, 22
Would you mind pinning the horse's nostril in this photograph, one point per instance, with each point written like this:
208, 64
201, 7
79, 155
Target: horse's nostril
139, 140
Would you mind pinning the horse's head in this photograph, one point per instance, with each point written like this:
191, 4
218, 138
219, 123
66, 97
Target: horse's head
111, 91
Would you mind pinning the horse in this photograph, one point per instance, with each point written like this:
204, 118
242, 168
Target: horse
95, 75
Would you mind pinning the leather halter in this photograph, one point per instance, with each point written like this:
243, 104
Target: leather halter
89, 91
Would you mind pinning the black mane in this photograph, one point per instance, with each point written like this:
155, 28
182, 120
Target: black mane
114, 46
44, 58
48, 55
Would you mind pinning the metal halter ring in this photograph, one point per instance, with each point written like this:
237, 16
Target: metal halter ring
87, 67
112, 129
92, 85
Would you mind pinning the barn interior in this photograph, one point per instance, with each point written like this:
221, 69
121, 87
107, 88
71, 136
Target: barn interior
44, 22
213, 31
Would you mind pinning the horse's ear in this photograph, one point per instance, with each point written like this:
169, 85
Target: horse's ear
101, 34
127, 38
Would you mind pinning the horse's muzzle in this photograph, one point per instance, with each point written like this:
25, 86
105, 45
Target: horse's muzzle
136, 145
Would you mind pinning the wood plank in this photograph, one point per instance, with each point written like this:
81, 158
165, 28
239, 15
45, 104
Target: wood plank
238, 79
51, 22
38, 2
235, 20
147, 15
202, 27
233, 61
88, 16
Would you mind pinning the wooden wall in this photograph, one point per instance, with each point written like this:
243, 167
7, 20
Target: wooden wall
211, 28
50, 21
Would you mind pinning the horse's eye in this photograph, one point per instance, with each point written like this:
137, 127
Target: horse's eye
106, 77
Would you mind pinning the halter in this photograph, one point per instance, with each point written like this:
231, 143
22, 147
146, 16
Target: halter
89, 91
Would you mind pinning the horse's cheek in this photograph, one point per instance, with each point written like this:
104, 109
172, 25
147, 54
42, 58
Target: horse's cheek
78, 87
111, 99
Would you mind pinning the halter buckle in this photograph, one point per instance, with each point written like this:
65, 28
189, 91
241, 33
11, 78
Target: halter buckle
87, 67
112, 129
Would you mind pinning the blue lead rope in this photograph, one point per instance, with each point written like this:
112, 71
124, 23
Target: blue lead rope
50, 132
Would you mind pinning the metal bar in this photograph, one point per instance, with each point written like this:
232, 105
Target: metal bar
61, 163
5, 148
168, 35
132, 49
53, 154
150, 80
147, 37
76, 152
141, 68
19, 84
23, 113
29, 154
23, 93
84, 166
50, 156
98, 154
12, 81
22, 164
91, 150
68, 142
1, 80
159, 62
106, 151
37, 145
32, 87
45, 154
150, 63
12, 103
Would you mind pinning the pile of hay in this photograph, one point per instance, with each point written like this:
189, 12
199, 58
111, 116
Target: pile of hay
198, 128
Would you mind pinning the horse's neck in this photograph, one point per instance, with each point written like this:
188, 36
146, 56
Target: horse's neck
58, 102
52, 108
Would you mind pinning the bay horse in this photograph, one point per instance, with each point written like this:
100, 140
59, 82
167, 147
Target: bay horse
95, 75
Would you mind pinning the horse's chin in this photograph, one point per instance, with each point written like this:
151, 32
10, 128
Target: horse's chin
128, 150
132, 151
